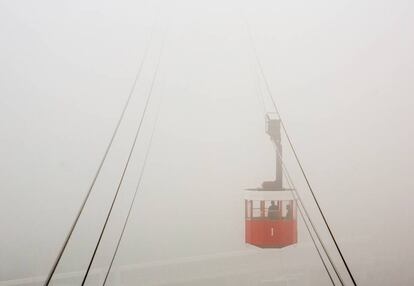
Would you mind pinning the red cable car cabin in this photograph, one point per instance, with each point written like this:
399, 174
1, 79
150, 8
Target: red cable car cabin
270, 218
270, 211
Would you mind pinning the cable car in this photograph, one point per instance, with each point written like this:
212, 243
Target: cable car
270, 211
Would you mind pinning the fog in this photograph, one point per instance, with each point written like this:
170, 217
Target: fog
340, 72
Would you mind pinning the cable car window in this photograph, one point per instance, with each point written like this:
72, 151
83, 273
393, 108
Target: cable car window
283, 205
272, 209
287, 210
248, 208
256, 211
294, 210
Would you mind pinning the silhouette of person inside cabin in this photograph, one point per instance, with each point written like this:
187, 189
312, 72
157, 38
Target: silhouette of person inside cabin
272, 211
289, 212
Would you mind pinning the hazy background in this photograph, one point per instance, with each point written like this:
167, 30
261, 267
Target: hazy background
342, 74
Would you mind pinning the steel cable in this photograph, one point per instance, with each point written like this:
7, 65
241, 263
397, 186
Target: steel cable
126, 166
125, 107
300, 165
135, 193
297, 197
262, 102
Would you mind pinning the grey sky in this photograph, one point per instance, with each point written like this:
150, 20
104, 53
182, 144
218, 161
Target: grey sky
340, 72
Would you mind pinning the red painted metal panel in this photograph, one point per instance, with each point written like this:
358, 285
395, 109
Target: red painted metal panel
268, 233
